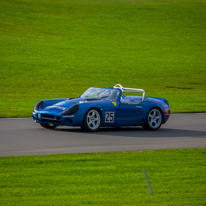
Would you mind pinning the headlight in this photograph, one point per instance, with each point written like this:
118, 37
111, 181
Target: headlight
38, 106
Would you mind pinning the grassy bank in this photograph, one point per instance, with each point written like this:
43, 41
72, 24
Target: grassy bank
51, 49
177, 177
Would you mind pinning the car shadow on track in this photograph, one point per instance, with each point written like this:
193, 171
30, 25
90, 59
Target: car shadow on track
137, 132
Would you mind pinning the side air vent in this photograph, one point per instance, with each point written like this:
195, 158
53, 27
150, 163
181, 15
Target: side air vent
91, 99
72, 110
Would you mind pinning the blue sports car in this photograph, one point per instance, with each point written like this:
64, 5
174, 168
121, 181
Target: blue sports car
104, 107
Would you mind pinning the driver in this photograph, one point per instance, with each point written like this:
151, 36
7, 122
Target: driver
104, 94
114, 95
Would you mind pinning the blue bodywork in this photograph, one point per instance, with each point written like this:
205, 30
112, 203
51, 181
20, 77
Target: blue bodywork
127, 110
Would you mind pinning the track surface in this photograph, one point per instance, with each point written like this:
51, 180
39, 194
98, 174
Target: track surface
24, 137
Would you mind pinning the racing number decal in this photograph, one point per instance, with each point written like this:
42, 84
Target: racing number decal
109, 117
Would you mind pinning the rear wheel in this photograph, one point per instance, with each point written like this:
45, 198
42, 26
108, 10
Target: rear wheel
48, 126
154, 119
92, 120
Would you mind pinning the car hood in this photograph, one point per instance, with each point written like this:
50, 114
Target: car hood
64, 105
70, 102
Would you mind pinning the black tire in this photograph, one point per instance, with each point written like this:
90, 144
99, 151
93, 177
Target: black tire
154, 119
48, 126
92, 120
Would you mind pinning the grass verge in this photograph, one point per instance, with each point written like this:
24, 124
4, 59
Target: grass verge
176, 176
51, 49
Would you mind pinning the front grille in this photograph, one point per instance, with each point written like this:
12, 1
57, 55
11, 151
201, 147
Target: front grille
48, 116
50, 121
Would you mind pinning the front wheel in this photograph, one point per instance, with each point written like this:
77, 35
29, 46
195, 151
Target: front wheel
92, 120
154, 119
48, 126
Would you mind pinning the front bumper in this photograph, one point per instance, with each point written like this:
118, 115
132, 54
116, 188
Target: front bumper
57, 119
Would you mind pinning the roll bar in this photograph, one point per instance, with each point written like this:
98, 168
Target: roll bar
119, 86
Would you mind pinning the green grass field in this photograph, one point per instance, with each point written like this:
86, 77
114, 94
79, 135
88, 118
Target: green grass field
59, 48
177, 177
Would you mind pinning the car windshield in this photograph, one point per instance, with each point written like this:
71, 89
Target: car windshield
102, 93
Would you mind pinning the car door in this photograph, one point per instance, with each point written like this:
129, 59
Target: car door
129, 113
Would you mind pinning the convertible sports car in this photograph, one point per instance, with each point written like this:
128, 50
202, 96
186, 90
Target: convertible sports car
103, 107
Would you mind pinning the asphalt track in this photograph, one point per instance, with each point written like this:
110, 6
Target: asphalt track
21, 136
